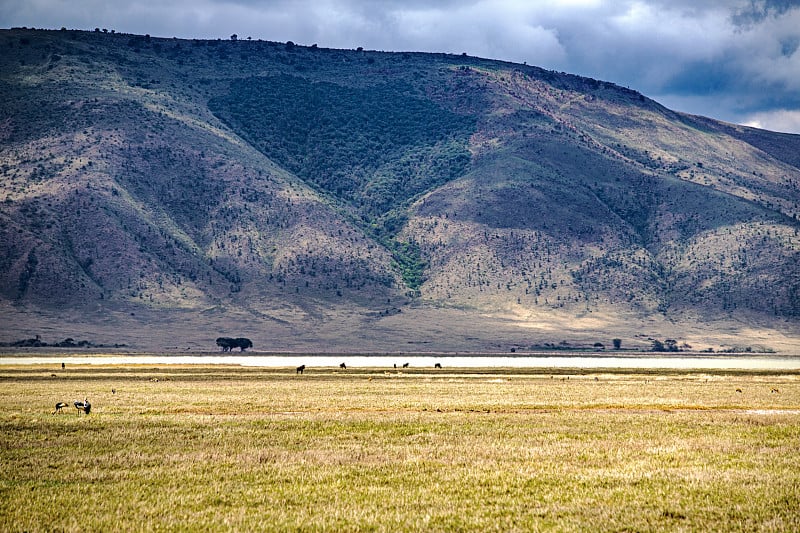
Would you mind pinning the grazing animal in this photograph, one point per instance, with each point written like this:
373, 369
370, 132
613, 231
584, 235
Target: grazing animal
84, 406
739, 390
405, 365
343, 366
59, 407
437, 365
113, 391
300, 369
775, 390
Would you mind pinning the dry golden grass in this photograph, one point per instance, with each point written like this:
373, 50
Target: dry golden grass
229, 448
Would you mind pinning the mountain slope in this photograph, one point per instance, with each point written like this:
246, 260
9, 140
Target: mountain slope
336, 199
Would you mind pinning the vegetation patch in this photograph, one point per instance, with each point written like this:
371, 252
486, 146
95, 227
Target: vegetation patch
375, 147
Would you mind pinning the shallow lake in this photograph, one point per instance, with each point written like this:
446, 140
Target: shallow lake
719, 362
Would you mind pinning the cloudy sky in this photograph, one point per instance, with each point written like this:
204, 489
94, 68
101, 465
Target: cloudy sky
735, 60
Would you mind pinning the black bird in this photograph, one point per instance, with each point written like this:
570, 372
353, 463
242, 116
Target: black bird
84, 406
59, 407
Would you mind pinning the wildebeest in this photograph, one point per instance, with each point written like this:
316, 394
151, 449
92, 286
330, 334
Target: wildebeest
227, 343
300, 369
437, 365
405, 365
343, 366
59, 407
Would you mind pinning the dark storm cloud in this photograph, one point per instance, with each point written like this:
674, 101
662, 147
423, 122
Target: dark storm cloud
734, 60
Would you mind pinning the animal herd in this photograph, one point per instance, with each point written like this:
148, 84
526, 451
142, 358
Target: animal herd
86, 407
300, 369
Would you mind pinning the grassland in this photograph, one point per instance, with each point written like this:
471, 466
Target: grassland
210, 448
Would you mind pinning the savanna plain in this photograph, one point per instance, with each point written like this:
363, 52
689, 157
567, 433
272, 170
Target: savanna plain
211, 448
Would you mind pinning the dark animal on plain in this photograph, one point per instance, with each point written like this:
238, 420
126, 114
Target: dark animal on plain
343, 366
84, 406
437, 365
738, 390
300, 369
243, 343
113, 391
59, 407
63, 366
775, 390
405, 365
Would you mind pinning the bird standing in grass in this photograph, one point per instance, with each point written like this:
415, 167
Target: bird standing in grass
84, 406
59, 407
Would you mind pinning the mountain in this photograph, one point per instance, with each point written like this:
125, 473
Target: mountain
163, 192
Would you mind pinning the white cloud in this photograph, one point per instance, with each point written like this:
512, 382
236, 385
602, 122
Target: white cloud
783, 120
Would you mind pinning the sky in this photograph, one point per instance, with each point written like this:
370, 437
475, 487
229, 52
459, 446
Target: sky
733, 60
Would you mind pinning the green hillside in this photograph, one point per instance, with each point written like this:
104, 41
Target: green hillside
359, 200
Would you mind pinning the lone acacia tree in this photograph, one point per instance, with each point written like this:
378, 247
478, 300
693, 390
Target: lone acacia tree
243, 343
227, 343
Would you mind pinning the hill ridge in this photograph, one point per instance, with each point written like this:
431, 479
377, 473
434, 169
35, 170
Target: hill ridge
312, 188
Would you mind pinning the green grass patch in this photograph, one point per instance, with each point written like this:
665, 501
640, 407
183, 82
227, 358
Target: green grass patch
374, 147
